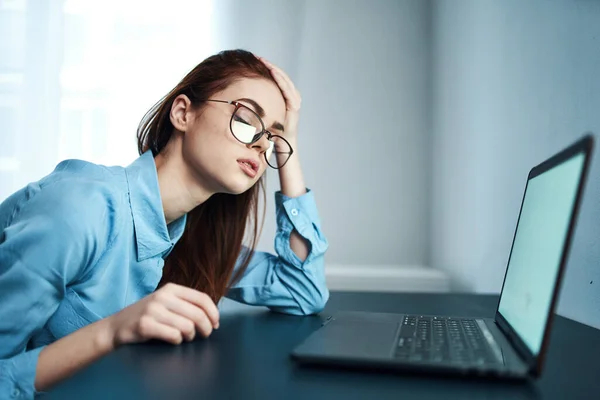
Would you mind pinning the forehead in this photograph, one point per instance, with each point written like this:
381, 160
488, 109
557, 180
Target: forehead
264, 92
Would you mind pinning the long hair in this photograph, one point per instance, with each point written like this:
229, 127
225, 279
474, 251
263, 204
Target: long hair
205, 256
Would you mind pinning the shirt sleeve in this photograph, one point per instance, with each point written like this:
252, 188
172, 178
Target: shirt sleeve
283, 282
51, 237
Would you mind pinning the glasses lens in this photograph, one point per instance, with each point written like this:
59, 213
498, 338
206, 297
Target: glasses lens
246, 126
279, 152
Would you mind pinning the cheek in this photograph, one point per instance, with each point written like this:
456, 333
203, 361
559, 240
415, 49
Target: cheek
220, 132
219, 151
210, 140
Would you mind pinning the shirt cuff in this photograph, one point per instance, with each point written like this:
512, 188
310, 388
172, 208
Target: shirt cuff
299, 213
18, 380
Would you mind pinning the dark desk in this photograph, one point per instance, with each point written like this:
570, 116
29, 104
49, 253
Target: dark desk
248, 358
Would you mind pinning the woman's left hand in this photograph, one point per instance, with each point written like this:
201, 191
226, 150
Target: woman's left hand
292, 99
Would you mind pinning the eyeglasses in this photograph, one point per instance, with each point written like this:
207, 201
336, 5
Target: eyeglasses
247, 127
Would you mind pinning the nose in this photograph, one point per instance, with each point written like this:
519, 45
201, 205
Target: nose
262, 144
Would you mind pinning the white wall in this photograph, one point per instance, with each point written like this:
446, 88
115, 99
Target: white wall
76, 77
514, 82
362, 68
364, 75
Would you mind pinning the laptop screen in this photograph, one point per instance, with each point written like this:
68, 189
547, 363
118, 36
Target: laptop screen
537, 249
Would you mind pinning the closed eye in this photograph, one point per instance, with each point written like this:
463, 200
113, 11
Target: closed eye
239, 119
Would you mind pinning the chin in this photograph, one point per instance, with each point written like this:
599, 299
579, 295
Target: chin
231, 181
238, 187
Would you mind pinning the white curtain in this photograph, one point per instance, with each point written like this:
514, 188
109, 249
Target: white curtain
76, 77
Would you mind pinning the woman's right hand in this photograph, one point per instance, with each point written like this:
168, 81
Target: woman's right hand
173, 313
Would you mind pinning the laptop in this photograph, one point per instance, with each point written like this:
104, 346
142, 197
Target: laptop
514, 342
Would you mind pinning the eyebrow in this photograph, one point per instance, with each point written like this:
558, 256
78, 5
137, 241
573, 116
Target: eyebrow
261, 112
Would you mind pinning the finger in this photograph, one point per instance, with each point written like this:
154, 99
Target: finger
272, 66
266, 62
277, 70
201, 300
285, 83
281, 75
182, 324
287, 78
291, 95
291, 92
192, 313
282, 82
151, 329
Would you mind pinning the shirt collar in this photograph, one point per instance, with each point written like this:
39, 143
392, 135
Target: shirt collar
152, 234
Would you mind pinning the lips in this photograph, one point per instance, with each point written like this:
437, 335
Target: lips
250, 167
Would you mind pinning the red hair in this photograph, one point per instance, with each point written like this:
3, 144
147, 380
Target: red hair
205, 256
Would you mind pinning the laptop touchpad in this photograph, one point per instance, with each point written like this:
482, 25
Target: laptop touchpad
353, 338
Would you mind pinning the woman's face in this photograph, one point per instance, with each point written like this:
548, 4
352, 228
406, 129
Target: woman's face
211, 151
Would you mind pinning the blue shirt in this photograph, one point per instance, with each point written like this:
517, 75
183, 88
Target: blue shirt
88, 240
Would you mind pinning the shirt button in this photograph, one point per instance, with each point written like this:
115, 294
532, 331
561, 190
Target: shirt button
15, 393
294, 212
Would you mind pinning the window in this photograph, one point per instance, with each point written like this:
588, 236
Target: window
77, 76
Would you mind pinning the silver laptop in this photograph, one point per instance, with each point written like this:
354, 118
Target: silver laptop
513, 343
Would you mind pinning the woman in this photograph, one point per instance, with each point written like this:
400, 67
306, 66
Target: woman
83, 250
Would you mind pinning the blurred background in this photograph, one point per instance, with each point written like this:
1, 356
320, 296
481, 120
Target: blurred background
420, 119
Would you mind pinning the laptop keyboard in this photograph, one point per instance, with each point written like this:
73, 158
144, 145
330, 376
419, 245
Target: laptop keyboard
443, 340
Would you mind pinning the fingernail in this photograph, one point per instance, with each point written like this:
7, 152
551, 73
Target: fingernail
217, 326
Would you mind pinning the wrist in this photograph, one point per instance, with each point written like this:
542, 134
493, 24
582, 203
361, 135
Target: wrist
105, 336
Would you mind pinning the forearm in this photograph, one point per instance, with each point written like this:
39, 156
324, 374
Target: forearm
292, 185
66, 356
290, 175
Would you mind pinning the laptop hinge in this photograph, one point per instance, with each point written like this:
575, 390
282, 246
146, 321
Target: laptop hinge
510, 340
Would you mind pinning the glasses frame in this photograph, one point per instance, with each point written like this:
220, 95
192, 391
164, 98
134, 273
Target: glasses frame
259, 135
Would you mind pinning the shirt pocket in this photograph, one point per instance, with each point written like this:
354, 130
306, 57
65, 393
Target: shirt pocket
70, 316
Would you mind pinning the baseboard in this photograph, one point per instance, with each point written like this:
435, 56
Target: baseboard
386, 278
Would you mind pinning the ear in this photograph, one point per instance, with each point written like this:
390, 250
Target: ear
181, 113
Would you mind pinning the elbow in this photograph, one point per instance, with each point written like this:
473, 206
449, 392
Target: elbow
316, 303
317, 292
305, 306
